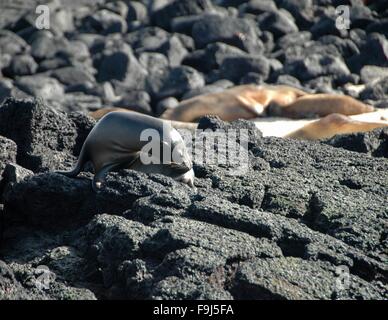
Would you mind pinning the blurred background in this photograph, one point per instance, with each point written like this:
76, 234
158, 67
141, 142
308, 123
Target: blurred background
149, 55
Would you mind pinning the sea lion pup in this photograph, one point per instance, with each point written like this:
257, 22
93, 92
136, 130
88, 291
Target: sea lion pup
320, 105
332, 125
116, 142
240, 102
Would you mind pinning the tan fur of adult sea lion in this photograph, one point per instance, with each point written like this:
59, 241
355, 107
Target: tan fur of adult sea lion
332, 125
240, 102
322, 105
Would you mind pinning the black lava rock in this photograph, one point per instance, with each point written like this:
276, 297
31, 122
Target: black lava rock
8, 150
316, 65
374, 52
43, 87
5, 89
233, 31
135, 100
212, 57
122, 65
376, 90
278, 23
234, 68
374, 143
177, 8
106, 22
175, 82
71, 76
45, 138
20, 66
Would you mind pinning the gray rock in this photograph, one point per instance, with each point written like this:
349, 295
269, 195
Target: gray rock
135, 100
45, 46
317, 65
293, 279
374, 52
376, 90
212, 57
174, 50
374, 143
147, 39
177, 8
12, 174
378, 26
79, 102
118, 7
40, 86
20, 66
11, 43
45, 138
153, 62
278, 23
293, 39
62, 20
29, 286
72, 76
327, 25
122, 65
371, 74
53, 63
360, 16
184, 24
176, 82
346, 47
301, 10
10, 289
233, 31
258, 7
8, 153
137, 11
235, 67
106, 22
6, 87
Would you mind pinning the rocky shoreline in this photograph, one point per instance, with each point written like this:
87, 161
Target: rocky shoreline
308, 220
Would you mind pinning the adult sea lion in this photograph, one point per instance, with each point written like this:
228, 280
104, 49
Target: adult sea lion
116, 142
320, 105
251, 101
332, 125
240, 102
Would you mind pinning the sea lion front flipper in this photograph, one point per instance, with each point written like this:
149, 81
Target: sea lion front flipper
98, 178
252, 105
